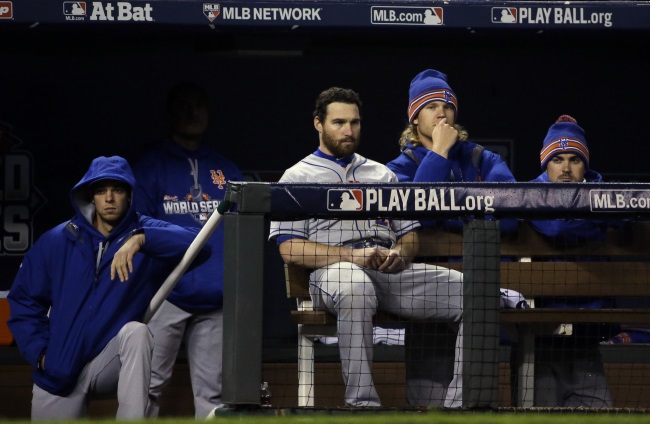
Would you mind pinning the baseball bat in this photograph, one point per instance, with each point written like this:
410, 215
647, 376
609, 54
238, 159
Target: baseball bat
189, 256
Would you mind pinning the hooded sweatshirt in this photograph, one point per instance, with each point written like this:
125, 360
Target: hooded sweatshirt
420, 165
63, 302
184, 187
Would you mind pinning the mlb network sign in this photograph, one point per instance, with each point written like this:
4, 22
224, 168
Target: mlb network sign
6, 10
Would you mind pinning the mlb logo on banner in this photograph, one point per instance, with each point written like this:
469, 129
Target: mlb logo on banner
344, 200
6, 10
211, 10
504, 15
74, 8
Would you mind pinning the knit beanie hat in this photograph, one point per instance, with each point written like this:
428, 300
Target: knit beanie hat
426, 87
564, 136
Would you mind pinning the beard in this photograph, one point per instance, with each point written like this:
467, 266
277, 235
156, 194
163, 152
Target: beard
337, 148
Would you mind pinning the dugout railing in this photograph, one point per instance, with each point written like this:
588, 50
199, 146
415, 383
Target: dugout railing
480, 248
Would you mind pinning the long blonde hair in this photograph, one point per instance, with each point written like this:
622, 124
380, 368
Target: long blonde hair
410, 135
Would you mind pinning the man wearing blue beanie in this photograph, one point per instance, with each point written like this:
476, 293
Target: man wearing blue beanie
564, 155
569, 369
434, 148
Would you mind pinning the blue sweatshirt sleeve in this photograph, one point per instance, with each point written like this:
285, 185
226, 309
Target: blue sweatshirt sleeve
169, 241
434, 168
29, 302
497, 171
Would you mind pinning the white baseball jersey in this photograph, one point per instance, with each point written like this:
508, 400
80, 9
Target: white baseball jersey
318, 169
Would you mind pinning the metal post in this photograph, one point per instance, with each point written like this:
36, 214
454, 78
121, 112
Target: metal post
481, 276
242, 310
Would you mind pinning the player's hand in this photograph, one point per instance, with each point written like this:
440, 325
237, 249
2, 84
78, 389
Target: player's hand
368, 257
443, 137
392, 261
122, 264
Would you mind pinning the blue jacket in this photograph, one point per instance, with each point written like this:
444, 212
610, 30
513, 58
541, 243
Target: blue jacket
61, 274
184, 187
419, 164
572, 232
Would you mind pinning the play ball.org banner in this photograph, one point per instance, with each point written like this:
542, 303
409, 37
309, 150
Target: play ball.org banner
456, 200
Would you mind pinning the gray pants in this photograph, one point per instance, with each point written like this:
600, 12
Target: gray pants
419, 292
570, 377
123, 367
203, 336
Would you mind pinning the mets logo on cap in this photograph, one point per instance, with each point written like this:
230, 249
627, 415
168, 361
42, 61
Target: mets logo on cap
564, 143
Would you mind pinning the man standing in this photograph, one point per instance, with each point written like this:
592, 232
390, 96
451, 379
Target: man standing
360, 266
182, 181
80, 328
569, 370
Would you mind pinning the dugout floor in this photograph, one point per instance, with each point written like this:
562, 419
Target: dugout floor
626, 383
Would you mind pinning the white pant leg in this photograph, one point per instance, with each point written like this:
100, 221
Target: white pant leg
168, 328
345, 290
135, 352
454, 396
421, 292
123, 367
204, 341
46, 406
428, 292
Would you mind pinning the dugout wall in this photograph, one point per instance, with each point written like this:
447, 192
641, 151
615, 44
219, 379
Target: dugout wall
482, 263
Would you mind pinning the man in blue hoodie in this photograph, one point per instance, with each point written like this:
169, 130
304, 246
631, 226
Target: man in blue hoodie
569, 370
72, 319
435, 148
182, 181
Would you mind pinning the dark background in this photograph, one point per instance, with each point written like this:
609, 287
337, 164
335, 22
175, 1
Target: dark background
71, 95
